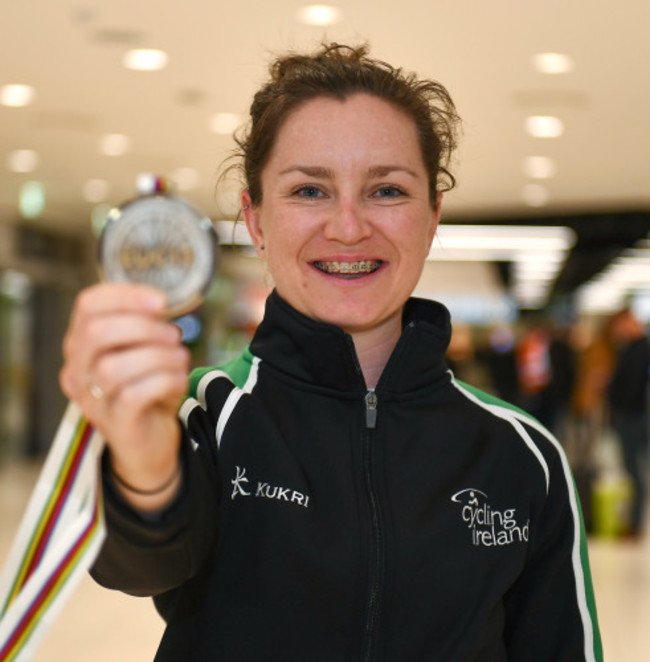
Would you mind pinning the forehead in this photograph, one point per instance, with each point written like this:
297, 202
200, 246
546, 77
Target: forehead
362, 126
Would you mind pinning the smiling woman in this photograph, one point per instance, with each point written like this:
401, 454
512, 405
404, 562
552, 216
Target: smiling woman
313, 507
346, 193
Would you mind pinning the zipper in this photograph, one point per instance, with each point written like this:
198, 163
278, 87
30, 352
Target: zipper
377, 561
371, 408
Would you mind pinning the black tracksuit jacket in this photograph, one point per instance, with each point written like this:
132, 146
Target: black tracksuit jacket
320, 521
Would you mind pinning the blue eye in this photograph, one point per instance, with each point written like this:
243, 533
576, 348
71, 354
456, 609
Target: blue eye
389, 192
310, 192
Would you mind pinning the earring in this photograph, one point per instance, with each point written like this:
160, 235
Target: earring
262, 247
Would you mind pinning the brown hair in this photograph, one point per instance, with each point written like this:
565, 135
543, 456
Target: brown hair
339, 71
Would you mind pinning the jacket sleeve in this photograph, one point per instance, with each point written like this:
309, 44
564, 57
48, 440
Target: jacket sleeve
148, 554
550, 611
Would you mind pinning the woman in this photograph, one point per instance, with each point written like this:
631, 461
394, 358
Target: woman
333, 494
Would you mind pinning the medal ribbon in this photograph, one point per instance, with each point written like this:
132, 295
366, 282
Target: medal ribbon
58, 539
63, 529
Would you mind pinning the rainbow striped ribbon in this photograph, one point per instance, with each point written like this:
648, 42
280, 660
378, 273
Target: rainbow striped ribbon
58, 539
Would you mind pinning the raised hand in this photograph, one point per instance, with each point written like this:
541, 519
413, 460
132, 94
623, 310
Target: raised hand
125, 367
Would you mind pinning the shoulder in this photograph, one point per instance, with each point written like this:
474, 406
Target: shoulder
488, 401
213, 387
238, 372
532, 436
215, 393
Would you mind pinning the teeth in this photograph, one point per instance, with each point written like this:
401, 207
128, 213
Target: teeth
349, 268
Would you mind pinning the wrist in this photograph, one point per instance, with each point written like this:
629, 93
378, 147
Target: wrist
147, 492
144, 492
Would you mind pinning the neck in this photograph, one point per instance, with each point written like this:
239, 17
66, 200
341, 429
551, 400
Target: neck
374, 348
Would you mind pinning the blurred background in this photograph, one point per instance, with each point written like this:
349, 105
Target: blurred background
544, 241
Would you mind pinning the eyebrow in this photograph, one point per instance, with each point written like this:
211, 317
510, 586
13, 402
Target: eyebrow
382, 171
320, 172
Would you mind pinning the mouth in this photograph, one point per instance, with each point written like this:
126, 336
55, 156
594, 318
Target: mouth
348, 270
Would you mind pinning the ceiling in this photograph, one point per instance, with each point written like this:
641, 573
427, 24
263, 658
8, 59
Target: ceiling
70, 51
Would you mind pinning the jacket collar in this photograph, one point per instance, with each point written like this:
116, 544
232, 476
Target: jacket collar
323, 355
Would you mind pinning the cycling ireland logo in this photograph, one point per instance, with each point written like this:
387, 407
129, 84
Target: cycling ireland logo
489, 527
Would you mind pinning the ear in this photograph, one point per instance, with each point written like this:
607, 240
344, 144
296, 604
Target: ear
252, 219
435, 221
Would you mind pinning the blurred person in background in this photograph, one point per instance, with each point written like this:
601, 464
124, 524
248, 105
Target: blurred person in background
501, 361
594, 365
333, 493
563, 366
588, 405
595, 357
534, 370
546, 372
464, 357
627, 394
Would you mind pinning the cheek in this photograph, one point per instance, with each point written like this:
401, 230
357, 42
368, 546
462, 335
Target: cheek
413, 239
288, 237
283, 263
413, 258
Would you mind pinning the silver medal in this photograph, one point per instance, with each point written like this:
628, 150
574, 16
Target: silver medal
160, 240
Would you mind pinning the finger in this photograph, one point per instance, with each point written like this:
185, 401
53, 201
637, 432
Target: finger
110, 333
154, 391
105, 298
116, 408
115, 371
104, 333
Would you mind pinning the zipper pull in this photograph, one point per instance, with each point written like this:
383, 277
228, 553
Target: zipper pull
371, 408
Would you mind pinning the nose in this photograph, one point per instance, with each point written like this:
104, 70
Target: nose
348, 223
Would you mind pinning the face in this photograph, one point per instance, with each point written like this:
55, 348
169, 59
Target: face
345, 219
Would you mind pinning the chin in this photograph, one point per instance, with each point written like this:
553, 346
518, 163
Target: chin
352, 321
351, 311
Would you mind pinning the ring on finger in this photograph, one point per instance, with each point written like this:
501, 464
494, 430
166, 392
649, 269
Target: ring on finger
96, 390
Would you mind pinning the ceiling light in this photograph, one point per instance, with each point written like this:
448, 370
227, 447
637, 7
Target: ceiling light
531, 295
224, 123
626, 276
630, 274
512, 237
634, 257
530, 290
550, 257
533, 277
599, 297
17, 95
535, 195
114, 144
95, 190
539, 167
525, 270
145, 59
544, 126
491, 254
321, 15
553, 63
22, 160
